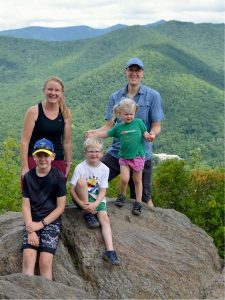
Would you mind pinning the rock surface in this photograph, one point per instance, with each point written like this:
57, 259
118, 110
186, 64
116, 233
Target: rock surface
163, 255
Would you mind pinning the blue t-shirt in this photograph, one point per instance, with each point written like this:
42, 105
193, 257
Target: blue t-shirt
149, 111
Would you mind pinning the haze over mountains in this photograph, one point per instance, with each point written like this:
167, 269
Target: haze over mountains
183, 61
64, 33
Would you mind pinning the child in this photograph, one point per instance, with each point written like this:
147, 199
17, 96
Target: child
89, 183
44, 198
130, 132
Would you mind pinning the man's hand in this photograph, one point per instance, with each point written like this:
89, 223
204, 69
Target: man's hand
150, 136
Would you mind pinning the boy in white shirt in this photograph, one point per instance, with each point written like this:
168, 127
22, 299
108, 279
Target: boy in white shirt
89, 184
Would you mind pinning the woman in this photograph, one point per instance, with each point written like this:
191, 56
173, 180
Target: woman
50, 119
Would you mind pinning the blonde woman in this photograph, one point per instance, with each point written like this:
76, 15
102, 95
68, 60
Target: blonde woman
50, 119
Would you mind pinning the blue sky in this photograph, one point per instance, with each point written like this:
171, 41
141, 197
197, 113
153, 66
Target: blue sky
103, 13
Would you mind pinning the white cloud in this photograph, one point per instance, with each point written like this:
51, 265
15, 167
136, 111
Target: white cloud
102, 13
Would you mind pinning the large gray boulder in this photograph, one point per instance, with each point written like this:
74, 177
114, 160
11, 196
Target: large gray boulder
163, 255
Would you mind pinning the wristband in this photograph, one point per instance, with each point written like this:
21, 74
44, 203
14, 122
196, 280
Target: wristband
43, 222
68, 163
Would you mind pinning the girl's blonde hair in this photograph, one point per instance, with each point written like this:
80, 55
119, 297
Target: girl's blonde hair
62, 105
93, 142
125, 104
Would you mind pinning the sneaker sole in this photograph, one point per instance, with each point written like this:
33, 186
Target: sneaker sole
93, 225
136, 213
105, 258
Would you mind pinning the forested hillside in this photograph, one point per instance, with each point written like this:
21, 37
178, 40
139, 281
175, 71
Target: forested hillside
183, 61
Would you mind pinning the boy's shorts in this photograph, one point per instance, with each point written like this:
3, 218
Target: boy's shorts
136, 164
100, 207
48, 238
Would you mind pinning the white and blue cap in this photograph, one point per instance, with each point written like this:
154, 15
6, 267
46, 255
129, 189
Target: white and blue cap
135, 61
43, 145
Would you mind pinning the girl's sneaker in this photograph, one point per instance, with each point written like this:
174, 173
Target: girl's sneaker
120, 201
137, 208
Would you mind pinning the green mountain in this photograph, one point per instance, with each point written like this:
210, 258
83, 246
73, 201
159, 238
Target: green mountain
183, 61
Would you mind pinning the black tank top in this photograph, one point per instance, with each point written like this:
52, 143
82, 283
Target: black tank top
50, 129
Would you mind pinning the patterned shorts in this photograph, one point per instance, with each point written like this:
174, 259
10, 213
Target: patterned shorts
136, 164
48, 236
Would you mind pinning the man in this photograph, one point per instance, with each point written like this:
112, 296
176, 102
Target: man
149, 111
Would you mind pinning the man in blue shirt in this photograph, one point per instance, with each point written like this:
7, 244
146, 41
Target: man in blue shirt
149, 111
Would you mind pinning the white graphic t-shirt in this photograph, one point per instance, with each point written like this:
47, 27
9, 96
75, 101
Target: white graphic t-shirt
96, 177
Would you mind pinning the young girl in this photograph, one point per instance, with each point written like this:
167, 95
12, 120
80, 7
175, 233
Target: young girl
130, 133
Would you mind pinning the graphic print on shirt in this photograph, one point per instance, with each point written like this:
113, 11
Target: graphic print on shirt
127, 131
93, 186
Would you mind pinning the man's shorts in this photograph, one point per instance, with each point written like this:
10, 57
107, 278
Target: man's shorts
100, 207
48, 238
136, 164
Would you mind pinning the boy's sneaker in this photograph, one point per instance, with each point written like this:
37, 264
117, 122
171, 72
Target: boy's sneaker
137, 208
120, 201
91, 220
111, 257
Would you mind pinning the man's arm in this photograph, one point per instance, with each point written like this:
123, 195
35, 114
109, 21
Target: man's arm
154, 131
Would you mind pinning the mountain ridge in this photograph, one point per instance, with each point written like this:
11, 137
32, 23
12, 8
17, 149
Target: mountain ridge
65, 33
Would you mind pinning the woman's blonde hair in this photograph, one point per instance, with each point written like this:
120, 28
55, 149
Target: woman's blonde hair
93, 142
62, 105
125, 104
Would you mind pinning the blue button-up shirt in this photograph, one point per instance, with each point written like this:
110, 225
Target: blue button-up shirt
149, 111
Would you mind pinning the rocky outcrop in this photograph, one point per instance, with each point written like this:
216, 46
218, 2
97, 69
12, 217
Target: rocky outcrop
163, 255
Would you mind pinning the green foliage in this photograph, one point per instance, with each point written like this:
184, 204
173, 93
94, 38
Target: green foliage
10, 193
198, 193
113, 189
183, 61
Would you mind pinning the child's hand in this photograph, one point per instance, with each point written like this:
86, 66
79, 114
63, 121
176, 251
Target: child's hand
146, 135
90, 207
90, 133
33, 226
149, 136
33, 239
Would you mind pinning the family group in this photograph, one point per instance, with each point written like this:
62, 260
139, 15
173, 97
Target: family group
133, 118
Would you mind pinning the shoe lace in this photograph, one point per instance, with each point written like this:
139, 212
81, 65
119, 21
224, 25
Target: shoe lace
137, 206
112, 255
120, 198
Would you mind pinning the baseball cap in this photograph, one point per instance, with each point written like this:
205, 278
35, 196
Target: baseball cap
43, 145
135, 61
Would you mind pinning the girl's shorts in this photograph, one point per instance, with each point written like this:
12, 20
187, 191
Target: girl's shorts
136, 164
